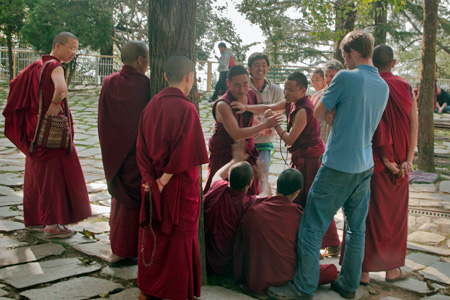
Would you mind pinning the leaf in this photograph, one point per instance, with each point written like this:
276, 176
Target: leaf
372, 291
430, 285
85, 260
89, 234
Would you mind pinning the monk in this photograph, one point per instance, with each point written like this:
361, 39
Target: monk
231, 127
265, 251
318, 83
170, 148
54, 191
303, 140
225, 203
393, 153
123, 97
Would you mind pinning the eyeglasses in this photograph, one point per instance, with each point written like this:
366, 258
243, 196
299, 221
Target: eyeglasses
73, 49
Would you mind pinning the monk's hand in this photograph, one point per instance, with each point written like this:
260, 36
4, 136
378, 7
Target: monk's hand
146, 187
268, 113
160, 184
393, 167
54, 109
240, 107
267, 132
407, 167
239, 151
329, 117
274, 120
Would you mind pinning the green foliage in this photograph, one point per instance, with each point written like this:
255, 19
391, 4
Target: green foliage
89, 20
12, 14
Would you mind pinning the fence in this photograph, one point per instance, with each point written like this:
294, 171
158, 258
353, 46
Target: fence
91, 69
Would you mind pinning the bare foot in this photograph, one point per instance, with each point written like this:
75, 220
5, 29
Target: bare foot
365, 278
396, 275
114, 258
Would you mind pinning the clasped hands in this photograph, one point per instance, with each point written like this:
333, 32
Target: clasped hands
404, 169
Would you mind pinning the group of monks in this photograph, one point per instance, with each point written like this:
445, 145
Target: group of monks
152, 150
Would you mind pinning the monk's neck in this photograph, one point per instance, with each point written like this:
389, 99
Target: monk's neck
258, 84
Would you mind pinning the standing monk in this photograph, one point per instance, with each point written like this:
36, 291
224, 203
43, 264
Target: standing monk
393, 153
124, 96
231, 127
54, 190
170, 149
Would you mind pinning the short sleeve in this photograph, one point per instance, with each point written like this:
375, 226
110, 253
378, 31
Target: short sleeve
334, 92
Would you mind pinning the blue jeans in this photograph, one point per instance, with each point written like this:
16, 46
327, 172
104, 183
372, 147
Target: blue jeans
264, 155
331, 190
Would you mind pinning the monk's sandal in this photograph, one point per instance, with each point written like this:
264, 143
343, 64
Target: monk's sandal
60, 232
287, 292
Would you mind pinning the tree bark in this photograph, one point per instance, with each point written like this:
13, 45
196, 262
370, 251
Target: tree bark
427, 86
171, 25
380, 18
10, 55
345, 22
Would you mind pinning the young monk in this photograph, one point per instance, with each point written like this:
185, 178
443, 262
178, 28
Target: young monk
303, 140
318, 83
170, 148
225, 203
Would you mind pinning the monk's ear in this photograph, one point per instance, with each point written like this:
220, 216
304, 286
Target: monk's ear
228, 83
394, 61
165, 77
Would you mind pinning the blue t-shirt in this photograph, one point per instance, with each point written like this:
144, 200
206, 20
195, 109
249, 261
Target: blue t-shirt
360, 96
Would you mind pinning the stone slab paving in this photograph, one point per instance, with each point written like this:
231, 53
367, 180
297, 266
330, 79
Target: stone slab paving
94, 197
102, 210
418, 261
97, 227
73, 289
101, 250
7, 212
96, 186
429, 249
439, 271
29, 254
426, 237
126, 294
436, 297
126, 273
10, 200
220, 293
444, 186
422, 187
7, 242
414, 285
6, 226
31, 274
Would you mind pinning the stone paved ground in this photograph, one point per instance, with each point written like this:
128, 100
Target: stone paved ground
32, 267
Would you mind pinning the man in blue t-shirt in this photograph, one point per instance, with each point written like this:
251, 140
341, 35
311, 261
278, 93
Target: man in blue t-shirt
353, 104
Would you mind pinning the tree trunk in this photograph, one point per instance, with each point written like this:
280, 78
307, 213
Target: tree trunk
380, 17
427, 86
345, 22
10, 55
171, 25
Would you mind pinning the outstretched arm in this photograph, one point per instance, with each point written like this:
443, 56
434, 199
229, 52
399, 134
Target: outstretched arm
257, 108
239, 154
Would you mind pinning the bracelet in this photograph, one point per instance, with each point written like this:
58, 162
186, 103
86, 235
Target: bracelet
158, 181
56, 103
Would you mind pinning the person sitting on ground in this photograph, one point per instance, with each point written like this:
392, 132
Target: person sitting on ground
443, 101
265, 251
225, 203
303, 140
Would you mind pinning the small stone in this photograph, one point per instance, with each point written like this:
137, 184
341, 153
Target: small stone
127, 294
423, 220
30, 274
444, 186
126, 273
7, 226
429, 227
417, 261
426, 237
29, 254
439, 271
74, 289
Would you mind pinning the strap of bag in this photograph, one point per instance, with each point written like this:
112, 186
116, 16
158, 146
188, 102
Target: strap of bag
39, 122
148, 200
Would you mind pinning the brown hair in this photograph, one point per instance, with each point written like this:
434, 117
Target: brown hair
360, 41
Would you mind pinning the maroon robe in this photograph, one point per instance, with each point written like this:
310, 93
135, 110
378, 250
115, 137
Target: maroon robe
265, 251
54, 190
170, 140
123, 97
387, 220
220, 142
224, 208
306, 152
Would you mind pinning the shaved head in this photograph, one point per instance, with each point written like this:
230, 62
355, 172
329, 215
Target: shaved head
131, 51
241, 174
177, 67
62, 38
383, 57
289, 182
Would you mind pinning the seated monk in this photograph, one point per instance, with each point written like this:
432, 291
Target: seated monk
225, 203
265, 251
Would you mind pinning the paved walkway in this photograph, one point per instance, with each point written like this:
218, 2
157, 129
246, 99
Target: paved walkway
33, 267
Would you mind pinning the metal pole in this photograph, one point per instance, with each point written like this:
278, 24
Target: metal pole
209, 78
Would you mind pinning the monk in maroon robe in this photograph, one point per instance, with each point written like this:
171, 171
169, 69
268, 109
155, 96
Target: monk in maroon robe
225, 203
303, 140
54, 191
265, 252
123, 97
170, 149
231, 127
393, 152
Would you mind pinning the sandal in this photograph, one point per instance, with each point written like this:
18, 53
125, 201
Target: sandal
403, 276
287, 292
60, 232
